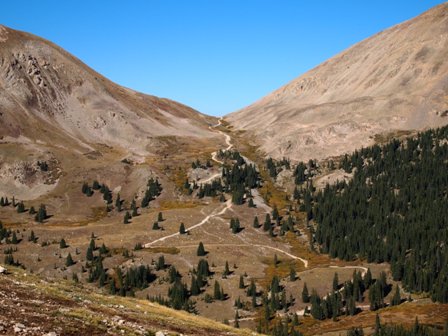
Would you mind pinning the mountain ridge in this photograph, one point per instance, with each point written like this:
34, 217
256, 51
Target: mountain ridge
45, 82
345, 100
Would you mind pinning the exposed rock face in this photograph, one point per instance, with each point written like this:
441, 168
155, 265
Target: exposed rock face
47, 94
395, 80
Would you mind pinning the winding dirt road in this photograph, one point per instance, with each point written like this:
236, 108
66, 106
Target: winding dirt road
228, 206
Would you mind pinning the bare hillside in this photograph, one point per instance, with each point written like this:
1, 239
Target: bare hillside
55, 109
396, 80
42, 87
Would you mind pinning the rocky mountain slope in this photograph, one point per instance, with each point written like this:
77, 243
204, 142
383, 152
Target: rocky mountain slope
47, 94
57, 110
394, 81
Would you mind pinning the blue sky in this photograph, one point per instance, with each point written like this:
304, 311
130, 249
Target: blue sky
216, 56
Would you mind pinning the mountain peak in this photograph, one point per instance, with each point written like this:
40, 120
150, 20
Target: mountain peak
395, 80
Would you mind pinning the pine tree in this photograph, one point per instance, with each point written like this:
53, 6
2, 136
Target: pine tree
351, 306
89, 254
275, 214
69, 261
241, 284
226, 270
396, 300
256, 224
92, 244
62, 244
195, 287
251, 203
14, 238
103, 249
182, 229
335, 282
305, 294
292, 274
127, 217
252, 289
32, 237
160, 217
235, 225
118, 203
41, 214
217, 293
201, 250
267, 223
20, 207
236, 322
160, 263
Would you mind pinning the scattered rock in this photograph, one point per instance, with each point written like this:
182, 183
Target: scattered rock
3, 270
160, 333
19, 327
51, 333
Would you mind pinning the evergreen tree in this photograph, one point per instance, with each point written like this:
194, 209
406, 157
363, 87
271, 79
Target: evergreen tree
103, 249
41, 214
155, 226
256, 224
89, 254
252, 289
217, 293
335, 282
160, 217
127, 217
241, 283
226, 270
305, 294
14, 238
62, 244
32, 237
396, 300
32, 211
251, 203
236, 322
118, 203
160, 265
292, 274
69, 261
195, 288
201, 250
275, 214
267, 223
20, 207
182, 229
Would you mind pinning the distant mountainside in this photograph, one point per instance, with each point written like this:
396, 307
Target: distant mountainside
395, 81
48, 95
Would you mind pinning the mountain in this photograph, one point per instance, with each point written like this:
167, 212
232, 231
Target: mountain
50, 96
57, 110
393, 82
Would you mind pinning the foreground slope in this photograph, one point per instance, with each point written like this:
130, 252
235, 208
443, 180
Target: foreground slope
395, 80
39, 307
